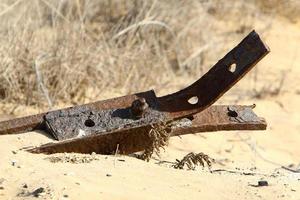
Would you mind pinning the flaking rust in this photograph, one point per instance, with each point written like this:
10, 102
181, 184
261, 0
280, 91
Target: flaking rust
220, 118
214, 118
126, 121
84, 121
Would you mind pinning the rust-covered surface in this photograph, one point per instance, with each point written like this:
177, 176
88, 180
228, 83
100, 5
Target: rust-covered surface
125, 121
219, 79
22, 124
215, 118
220, 118
84, 121
34, 122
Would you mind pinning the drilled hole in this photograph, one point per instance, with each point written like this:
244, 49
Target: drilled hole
232, 113
193, 100
190, 117
232, 67
89, 123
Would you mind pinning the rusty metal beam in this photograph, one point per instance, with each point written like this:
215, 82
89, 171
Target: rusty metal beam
126, 121
218, 80
118, 113
215, 118
220, 118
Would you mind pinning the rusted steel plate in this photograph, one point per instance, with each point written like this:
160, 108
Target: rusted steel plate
34, 122
83, 121
22, 124
206, 90
220, 118
219, 79
215, 118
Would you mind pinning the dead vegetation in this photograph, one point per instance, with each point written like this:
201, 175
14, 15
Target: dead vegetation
75, 51
271, 89
192, 160
158, 139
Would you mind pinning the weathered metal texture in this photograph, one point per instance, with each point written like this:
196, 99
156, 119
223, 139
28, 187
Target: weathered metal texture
84, 121
219, 79
22, 124
34, 122
207, 90
220, 118
132, 140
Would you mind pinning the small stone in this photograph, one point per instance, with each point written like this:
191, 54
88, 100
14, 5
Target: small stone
19, 166
69, 174
25, 185
263, 183
66, 196
13, 162
1, 188
108, 175
38, 192
93, 153
14, 152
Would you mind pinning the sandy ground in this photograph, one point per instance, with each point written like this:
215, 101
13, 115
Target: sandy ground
243, 158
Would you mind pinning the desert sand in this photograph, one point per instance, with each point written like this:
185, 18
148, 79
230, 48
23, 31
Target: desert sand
242, 157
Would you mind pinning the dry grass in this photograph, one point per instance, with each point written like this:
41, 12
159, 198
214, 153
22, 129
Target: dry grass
74, 51
158, 139
270, 90
192, 160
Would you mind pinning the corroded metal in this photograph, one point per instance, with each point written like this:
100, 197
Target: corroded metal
220, 118
36, 122
126, 121
211, 86
219, 79
214, 118
84, 121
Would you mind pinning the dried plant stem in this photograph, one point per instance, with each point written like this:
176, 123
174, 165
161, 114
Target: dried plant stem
158, 138
40, 82
191, 160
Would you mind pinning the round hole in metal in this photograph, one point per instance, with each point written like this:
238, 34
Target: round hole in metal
89, 123
232, 113
232, 67
193, 100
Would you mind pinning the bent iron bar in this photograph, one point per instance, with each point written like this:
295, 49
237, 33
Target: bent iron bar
114, 121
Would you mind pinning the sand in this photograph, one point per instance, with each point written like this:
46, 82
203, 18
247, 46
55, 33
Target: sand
242, 157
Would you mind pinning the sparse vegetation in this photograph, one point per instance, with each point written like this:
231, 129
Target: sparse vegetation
271, 89
191, 160
74, 51
158, 139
